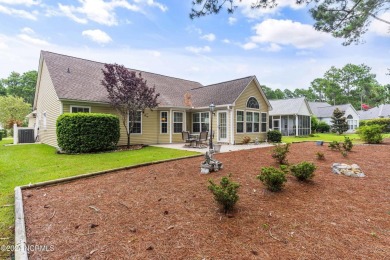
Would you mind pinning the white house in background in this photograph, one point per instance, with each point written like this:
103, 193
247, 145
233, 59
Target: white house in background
324, 112
381, 111
287, 114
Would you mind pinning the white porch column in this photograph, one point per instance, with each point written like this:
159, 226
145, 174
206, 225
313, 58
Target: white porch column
170, 125
296, 125
16, 137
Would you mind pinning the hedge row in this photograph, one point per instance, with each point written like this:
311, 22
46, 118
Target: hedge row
380, 121
87, 132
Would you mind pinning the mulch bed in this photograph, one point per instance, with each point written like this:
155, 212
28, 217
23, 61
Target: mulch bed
165, 211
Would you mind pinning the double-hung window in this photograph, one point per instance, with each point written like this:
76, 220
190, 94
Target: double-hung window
177, 122
263, 122
252, 122
80, 109
137, 123
200, 122
164, 122
240, 121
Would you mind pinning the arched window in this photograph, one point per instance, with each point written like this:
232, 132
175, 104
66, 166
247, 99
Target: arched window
350, 117
252, 103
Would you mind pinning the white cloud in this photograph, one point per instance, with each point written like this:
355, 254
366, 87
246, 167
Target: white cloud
287, 32
152, 3
20, 2
256, 13
96, 10
27, 30
208, 37
226, 41
156, 54
198, 50
249, 46
33, 40
232, 20
97, 36
193, 29
273, 47
19, 13
381, 28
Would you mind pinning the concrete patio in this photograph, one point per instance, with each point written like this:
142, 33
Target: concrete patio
224, 148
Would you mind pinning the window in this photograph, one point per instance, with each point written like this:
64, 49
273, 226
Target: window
252, 122
200, 122
164, 122
263, 122
177, 122
240, 121
137, 126
252, 103
352, 124
78, 109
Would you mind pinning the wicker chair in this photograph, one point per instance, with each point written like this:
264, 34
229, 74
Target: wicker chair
188, 140
202, 139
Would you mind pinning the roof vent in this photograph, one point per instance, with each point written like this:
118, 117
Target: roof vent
68, 70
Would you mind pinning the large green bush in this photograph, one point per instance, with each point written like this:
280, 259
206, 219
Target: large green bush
4, 132
323, 127
225, 193
274, 136
385, 122
87, 132
303, 171
371, 134
272, 178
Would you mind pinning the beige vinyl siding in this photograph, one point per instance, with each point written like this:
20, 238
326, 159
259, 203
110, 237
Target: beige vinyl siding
150, 123
250, 91
47, 101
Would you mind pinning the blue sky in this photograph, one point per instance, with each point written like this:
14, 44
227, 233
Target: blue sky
279, 46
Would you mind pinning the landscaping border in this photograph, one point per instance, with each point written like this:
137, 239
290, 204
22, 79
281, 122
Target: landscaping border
20, 227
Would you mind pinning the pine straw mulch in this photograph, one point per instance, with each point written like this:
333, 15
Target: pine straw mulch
165, 211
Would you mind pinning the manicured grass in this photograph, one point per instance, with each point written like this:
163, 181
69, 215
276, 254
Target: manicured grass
328, 137
32, 163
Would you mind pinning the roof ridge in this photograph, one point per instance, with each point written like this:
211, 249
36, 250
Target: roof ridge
125, 67
286, 98
224, 82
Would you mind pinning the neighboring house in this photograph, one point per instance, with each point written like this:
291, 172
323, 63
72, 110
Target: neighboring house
381, 111
287, 114
324, 112
67, 85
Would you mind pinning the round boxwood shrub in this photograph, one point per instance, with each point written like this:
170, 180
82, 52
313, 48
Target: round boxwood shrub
272, 178
323, 127
371, 134
87, 132
274, 136
303, 171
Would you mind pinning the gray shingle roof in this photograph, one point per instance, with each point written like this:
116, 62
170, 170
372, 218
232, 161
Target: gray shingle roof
80, 79
375, 112
286, 106
328, 111
315, 105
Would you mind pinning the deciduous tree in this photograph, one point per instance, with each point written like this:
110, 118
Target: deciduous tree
128, 94
13, 110
21, 85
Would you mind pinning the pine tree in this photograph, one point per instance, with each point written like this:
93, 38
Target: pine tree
339, 122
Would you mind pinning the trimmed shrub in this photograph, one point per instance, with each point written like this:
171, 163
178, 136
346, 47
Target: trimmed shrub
87, 132
371, 134
303, 171
334, 145
225, 193
274, 136
385, 122
323, 127
347, 145
272, 178
320, 156
279, 153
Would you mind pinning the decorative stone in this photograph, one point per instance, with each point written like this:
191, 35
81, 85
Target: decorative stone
210, 164
348, 170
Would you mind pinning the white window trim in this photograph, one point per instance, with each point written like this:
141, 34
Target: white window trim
167, 122
142, 123
200, 122
261, 122
243, 121
182, 122
253, 121
72, 106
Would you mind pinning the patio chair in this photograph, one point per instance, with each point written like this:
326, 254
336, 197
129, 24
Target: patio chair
202, 139
188, 140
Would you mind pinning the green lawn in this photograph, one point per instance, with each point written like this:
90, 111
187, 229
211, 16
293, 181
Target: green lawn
32, 163
328, 137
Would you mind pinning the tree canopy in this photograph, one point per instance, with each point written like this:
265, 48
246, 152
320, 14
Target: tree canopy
13, 110
128, 94
346, 19
20, 85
